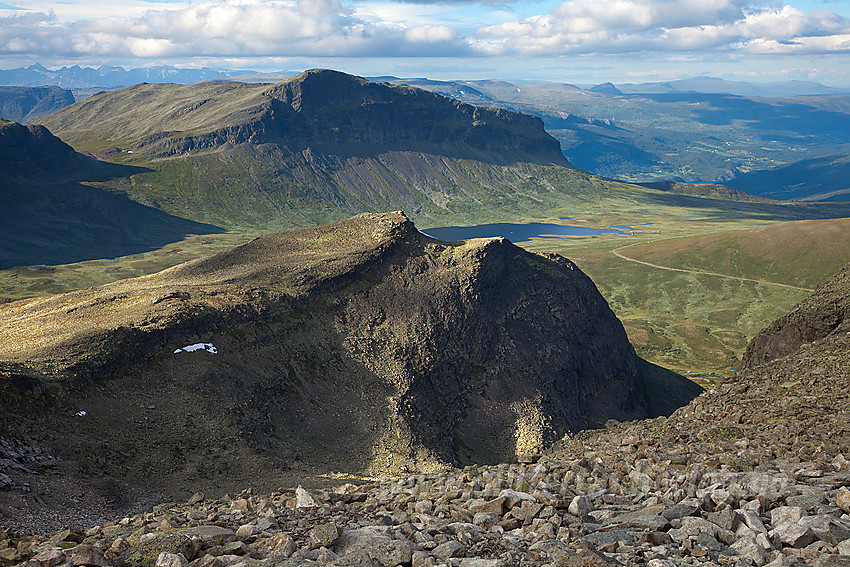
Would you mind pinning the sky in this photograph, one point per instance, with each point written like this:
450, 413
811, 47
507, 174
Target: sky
572, 41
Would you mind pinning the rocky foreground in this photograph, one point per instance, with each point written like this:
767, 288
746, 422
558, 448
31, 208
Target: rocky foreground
751, 473
594, 505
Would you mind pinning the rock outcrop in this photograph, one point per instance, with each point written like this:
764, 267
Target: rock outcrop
359, 346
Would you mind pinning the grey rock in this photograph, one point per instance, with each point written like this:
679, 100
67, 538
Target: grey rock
246, 531
780, 561
786, 515
825, 528
749, 548
481, 562
494, 506
807, 500
692, 527
381, 547
843, 547
304, 499
842, 499
727, 518
486, 520
652, 523
709, 542
612, 536
51, 557
585, 558
680, 510
449, 549
324, 535
211, 535
279, 546
752, 520
357, 559
828, 560
513, 498
553, 548
207, 561
166, 559
580, 506
792, 535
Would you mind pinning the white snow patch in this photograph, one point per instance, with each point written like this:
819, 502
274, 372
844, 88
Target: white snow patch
80, 413
198, 346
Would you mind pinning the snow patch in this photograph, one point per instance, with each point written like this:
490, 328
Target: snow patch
198, 346
81, 413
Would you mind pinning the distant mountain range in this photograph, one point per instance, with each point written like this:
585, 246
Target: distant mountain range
667, 134
712, 85
698, 130
77, 77
319, 147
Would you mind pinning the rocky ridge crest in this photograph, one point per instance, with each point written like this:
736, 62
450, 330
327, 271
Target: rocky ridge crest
359, 346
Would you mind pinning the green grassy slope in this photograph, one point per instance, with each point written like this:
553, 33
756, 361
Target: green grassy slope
697, 322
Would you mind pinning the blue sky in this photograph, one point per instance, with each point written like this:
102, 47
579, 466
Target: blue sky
575, 41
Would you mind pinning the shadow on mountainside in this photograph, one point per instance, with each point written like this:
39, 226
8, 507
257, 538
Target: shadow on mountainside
72, 222
782, 211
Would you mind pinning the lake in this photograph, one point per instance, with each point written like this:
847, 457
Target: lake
516, 232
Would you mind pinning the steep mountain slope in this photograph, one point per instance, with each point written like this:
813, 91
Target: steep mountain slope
360, 346
22, 104
789, 401
49, 216
821, 321
819, 179
320, 146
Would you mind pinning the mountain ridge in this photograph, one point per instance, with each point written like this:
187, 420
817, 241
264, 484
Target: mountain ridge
362, 346
317, 148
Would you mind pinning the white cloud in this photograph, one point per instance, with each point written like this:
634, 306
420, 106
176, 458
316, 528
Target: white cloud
247, 30
231, 28
627, 27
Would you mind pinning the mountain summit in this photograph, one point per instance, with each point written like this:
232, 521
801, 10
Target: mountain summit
317, 147
359, 346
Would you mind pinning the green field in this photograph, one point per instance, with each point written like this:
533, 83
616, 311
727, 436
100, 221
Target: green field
699, 324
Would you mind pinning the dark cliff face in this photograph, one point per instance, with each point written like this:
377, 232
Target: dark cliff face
357, 346
823, 314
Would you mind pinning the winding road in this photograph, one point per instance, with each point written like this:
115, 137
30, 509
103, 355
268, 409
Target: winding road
616, 252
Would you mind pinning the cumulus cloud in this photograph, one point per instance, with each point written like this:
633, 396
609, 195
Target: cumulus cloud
633, 26
231, 28
244, 29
